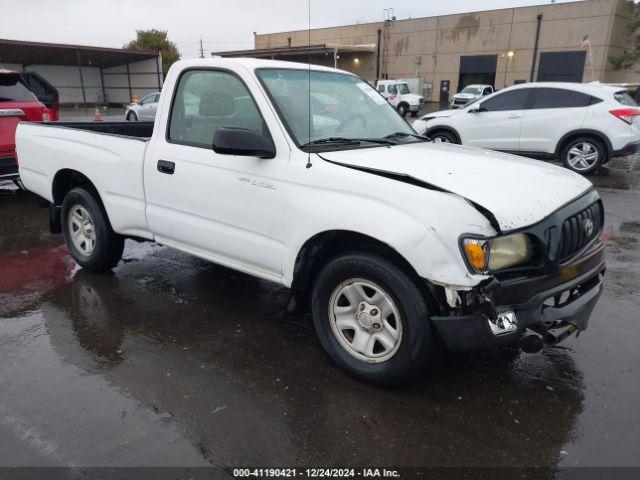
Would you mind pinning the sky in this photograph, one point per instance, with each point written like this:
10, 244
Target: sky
222, 25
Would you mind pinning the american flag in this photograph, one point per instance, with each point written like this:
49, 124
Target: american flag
585, 42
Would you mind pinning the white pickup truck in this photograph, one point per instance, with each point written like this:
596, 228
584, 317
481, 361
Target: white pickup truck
394, 243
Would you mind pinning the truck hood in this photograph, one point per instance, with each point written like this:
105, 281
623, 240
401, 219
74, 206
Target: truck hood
517, 191
466, 96
411, 97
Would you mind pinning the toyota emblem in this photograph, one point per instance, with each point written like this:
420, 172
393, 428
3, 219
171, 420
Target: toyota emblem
588, 227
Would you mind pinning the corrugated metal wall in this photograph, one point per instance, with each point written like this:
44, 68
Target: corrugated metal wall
144, 77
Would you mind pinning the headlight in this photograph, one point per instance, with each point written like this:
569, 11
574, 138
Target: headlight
493, 254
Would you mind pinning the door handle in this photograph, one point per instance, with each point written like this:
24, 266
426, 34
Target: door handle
167, 167
515, 115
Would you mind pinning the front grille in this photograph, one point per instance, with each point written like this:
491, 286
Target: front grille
579, 229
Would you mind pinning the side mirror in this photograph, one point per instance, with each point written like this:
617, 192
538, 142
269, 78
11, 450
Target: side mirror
242, 142
475, 108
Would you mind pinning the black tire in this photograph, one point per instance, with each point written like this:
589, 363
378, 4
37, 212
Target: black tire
132, 117
415, 347
402, 110
414, 114
443, 136
108, 248
595, 144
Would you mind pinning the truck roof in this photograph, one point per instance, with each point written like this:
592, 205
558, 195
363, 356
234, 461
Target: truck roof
252, 64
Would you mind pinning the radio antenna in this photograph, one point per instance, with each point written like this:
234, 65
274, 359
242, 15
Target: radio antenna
309, 164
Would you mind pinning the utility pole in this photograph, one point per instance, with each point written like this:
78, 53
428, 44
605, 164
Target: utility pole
201, 49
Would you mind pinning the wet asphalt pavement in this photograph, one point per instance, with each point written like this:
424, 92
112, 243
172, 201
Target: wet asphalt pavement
174, 361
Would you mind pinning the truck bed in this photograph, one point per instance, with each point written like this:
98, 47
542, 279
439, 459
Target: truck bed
142, 130
110, 154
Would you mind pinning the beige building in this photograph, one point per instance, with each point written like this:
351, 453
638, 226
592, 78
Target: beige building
499, 47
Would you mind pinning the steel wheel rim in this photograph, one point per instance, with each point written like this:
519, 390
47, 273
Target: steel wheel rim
583, 156
81, 230
365, 320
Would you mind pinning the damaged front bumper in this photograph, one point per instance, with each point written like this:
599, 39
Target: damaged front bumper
553, 305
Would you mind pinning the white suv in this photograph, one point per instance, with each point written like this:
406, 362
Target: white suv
584, 125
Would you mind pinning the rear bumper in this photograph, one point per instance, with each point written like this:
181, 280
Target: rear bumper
8, 168
552, 303
630, 148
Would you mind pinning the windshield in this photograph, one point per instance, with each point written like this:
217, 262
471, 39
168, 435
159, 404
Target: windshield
342, 106
472, 90
403, 89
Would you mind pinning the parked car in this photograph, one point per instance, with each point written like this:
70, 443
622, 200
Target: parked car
44, 91
391, 241
583, 125
17, 104
398, 94
470, 93
144, 110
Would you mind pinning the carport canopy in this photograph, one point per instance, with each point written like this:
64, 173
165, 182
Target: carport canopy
36, 53
323, 48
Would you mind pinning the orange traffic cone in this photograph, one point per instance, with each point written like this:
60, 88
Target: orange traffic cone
97, 117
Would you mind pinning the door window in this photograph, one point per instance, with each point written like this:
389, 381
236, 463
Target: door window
381, 88
393, 90
560, 98
207, 100
513, 100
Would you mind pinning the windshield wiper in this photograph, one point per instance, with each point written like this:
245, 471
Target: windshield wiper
345, 140
405, 134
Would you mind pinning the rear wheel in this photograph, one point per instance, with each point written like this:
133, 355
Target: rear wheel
87, 232
372, 319
132, 117
584, 155
443, 136
402, 110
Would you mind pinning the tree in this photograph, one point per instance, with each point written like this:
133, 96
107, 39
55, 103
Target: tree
156, 41
629, 57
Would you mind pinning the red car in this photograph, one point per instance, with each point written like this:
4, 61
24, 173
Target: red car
17, 103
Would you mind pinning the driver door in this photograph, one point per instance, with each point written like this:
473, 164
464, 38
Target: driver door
225, 208
495, 123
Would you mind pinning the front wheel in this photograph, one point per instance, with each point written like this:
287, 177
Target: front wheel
584, 155
372, 319
443, 136
132, 117
402, 110
87, 232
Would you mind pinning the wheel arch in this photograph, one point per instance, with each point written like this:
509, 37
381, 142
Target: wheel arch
567, 137
64, 181
445, 128
322, 247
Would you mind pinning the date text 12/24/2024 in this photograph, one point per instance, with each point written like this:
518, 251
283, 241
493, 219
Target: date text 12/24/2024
315, 473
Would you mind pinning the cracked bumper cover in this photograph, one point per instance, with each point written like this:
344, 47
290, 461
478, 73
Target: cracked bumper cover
526, 297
